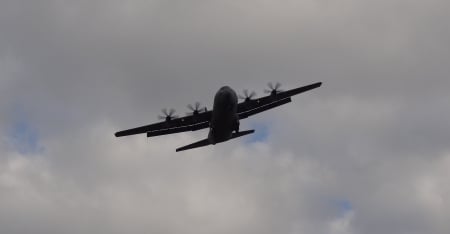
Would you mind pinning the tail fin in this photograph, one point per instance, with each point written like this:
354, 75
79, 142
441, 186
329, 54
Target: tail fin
206, 142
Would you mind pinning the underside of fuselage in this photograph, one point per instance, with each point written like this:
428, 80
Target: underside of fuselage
224, 116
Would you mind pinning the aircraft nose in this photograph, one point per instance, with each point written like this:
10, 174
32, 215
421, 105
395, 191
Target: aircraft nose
227, 96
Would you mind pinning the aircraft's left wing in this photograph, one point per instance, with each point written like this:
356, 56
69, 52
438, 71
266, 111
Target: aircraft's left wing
183, 124
252, 107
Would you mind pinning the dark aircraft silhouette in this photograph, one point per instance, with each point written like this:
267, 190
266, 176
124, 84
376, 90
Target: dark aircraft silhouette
223, 119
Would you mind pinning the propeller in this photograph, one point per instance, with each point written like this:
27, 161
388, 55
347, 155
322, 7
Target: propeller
168, 114
196, 109
273, 89
247, 96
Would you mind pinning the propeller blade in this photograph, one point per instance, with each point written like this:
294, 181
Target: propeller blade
277, 85
195, 109
273, 89
247, 95
168, 114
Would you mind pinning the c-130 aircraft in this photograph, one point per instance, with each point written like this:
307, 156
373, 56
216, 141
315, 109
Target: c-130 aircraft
223, 119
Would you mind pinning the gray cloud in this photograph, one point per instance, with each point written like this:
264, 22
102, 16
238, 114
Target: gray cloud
373, 136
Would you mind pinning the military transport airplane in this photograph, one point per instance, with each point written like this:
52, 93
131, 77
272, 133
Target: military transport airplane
223, 119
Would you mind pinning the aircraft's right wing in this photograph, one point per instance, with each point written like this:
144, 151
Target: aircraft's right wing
252, 107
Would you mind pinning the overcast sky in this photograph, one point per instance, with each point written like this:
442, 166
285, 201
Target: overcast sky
367, 153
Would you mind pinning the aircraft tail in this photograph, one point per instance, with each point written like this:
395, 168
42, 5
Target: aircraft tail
243, 133
206, 142
197, 144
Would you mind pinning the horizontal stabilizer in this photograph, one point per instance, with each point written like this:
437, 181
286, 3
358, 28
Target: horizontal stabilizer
197, 144
243, 133
206, 142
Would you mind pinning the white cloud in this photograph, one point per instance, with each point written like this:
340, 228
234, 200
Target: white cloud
375, 134
342, 225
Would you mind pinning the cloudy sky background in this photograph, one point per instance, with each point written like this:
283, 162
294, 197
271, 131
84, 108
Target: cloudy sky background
367, 153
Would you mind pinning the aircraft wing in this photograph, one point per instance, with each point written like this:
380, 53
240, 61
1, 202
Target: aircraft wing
255, 106
182, 124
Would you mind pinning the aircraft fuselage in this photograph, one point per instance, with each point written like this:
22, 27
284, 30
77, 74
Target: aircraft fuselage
224, 116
